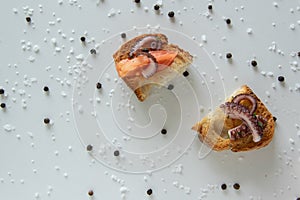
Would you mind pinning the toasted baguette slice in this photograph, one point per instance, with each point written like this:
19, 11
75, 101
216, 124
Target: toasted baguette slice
213, 128
141, 85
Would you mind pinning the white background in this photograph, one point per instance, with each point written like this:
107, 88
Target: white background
42, 163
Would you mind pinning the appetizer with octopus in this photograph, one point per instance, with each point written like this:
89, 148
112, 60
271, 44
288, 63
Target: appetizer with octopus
149, 60
242, 123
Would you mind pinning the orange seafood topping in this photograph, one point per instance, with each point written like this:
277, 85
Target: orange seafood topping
134, 66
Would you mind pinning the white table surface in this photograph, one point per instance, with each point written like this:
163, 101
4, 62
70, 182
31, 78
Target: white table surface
51, 162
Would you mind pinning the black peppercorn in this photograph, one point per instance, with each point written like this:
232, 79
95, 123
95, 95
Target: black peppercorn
253, 63
82, 39
280, 78
137, 1
93, 51
163, 131
98, 85
149, 192
171, 14
2, 105
236, 186
156, 7
186, 73
228, 21
274, 118
223, 186
91, 193
89, 147
46, 89
170, 87
2, 91
228, 55
209, 7
28, 19
46, 120
116, 153
123, 35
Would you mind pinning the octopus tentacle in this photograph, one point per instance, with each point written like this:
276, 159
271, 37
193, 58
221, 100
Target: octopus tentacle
231, 108
150, 69
149, 42
242, 130
238, 98
239, 131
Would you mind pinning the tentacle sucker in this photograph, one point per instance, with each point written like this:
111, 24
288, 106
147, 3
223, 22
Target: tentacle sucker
237, 110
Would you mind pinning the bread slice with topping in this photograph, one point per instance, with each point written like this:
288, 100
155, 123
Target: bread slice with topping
149, 60
233, 125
